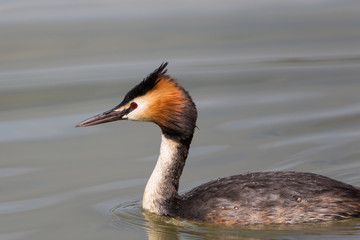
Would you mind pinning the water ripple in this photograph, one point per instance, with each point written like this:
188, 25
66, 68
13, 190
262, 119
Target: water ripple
39, 128
16, 235
36, 203
324, 137
350, 110
249, 100
9, 172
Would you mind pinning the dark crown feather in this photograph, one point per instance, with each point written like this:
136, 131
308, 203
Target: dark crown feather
147, 84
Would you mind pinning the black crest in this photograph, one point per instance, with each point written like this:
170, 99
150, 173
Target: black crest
146, 85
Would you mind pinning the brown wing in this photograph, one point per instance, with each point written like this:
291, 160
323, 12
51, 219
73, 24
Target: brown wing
271, 197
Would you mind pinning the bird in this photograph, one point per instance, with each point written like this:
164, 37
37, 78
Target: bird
275, 197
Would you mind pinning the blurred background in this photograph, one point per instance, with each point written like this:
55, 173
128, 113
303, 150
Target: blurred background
276, 84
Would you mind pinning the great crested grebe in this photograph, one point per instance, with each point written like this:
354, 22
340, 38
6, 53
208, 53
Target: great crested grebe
253, 198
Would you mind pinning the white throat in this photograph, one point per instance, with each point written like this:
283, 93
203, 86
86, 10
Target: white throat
163, 183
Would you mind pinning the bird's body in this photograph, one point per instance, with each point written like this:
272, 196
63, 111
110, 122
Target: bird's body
254, 198
272, 197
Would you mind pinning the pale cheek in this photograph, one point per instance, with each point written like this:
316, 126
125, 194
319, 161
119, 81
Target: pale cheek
140, 113
133, 117
138, 116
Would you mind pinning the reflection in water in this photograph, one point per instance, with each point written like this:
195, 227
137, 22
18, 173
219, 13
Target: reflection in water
130, 215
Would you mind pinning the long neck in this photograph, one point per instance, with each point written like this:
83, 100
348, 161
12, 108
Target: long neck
161, 191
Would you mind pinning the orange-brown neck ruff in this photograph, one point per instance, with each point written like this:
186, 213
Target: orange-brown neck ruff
172, 109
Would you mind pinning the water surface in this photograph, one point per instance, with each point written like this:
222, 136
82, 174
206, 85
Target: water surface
276, 84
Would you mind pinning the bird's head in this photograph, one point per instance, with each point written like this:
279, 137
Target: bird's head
159, 99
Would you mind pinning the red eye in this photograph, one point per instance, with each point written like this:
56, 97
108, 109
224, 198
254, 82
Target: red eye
133, 105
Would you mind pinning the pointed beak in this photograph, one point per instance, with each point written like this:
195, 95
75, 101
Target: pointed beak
108, 116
